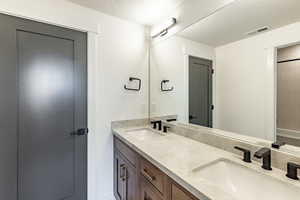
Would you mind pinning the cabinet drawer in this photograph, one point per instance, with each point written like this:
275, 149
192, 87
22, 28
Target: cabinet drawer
129, 154
153, 175
148, 192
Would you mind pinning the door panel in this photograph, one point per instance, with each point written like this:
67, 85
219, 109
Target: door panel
44, 70
200, 91
8, 109
46, 119
288, 95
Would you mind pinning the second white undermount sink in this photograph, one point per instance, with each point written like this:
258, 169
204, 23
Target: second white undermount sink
243, 183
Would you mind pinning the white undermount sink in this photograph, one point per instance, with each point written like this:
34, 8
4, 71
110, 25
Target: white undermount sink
142, 131
243, 183
144, 134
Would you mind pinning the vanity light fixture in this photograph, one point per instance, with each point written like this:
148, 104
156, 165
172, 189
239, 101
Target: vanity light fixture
165, 28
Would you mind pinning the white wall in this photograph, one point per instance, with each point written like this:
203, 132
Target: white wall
169, 60
245, 101
122, 53
117, 52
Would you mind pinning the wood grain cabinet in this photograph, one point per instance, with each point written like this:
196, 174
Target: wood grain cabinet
153, 175
178, 193
135, 178
124, 178
148, 192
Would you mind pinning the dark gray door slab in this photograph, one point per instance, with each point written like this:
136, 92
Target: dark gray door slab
200, 91
8, 109
46, 117
47, 102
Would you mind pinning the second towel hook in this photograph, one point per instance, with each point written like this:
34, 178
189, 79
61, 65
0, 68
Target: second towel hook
163, 82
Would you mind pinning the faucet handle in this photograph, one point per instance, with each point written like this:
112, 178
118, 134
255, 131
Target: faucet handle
292, 170
155, 123
165, 129
247, 154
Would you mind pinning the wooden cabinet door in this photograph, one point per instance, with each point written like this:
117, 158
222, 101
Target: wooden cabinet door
148, 192
130, 182
124, 179
179, 194
119, 177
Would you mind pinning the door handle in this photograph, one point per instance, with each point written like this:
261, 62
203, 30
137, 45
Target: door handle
122, 172
192, 117
147, 198
81, 132
148, 176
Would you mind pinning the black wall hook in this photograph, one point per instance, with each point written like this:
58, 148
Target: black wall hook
162, 83
134, 79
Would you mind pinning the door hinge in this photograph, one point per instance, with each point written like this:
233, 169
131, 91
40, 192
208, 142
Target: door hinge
212, 71
212, 107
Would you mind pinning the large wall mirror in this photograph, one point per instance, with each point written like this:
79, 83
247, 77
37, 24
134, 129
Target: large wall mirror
237, 69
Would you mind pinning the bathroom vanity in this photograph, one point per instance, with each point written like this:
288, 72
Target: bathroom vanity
190, 163
137, 178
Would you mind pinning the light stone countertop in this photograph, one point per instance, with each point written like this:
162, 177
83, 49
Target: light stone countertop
178, 156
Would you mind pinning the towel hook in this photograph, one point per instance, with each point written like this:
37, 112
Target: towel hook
134, 79
163, 82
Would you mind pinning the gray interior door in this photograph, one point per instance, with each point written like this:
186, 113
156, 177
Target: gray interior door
200, 91
8, 110
44, 72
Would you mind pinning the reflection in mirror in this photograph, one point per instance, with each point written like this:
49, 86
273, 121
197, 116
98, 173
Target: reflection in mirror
288, 94
238, 70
